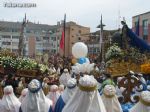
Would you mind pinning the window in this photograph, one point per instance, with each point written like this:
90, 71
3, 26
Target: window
28, 31
15, 43
7, 30
54, 38
15, 37
45, 51
80, 31
6, 43
14, 30
94, 50
145, 27
38, 39
6, 36
45, 38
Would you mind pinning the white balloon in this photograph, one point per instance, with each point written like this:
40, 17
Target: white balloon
87, 61
79, 50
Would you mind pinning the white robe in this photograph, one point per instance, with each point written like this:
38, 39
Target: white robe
53, 96
83, 101
36, 102
9, 103
111, 104
67, 94
139, 107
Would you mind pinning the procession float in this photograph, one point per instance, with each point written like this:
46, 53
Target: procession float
124, 61
132, 54
12, 64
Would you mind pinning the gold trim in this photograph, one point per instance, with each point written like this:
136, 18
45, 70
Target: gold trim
144, 102
108, 96
87, 89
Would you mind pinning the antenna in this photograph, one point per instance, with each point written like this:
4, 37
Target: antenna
119, 17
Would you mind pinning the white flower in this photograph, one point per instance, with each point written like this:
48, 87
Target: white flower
113, 51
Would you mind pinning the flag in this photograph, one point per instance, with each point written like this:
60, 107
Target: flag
137, 27
62, 41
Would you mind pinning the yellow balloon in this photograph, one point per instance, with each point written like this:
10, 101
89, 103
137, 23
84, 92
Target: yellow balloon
74, 61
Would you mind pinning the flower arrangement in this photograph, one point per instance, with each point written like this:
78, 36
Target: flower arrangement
43, 68
119, 62
113, 52
18, 63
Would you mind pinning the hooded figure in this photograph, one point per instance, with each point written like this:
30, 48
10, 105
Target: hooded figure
9, 102
53, 95
61, 88
45, 85
23, 94
66, 95
144, 104
86, 97
35, 100
110, 99
64, 77
52, 69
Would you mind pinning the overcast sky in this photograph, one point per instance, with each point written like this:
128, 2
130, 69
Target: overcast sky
84, 12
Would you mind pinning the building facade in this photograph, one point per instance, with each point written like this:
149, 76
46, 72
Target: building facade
37, 37
40, 38
141, 23
94, 42
73, 33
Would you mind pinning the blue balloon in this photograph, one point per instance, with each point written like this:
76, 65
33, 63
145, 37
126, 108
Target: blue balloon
82, 60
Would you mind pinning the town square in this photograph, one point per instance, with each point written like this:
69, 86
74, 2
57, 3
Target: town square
74, 56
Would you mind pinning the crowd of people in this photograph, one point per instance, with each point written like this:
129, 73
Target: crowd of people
83, 94
71, 92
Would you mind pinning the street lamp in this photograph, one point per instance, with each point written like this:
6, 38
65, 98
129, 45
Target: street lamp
101, 26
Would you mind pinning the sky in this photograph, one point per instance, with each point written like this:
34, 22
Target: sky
83, 12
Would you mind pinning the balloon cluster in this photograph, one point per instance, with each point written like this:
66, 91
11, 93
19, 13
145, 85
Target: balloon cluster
79, 51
